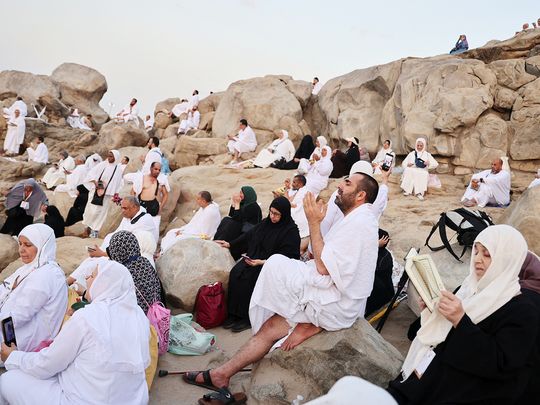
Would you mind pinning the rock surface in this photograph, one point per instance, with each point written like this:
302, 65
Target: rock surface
115, 136
9, 251
182, 270
313, 367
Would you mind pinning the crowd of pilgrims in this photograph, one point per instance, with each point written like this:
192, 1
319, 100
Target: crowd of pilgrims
301, 269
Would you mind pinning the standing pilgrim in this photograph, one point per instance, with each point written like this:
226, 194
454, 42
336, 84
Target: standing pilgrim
40, 154
15, 133
20, 105
35, 296
129, 113
57, 174
23, 204
106, 179
152, 191
379, 160
282, 149
489, 187
244, 141
415, 174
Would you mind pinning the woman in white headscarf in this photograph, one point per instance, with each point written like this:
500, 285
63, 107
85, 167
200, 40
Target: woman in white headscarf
99, 356
381, 156
280, 149
319, 171
305, 164
475, 347
415, 174
35, 296
105, 180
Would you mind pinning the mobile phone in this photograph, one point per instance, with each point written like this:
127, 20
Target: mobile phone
90, 249
8, 331
246, 257
387, 164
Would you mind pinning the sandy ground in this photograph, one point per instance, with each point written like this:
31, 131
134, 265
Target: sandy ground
407, 219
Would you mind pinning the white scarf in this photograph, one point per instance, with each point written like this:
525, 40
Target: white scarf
480, 298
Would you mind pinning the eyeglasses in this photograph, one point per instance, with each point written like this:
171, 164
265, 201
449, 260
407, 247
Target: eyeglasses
275, 214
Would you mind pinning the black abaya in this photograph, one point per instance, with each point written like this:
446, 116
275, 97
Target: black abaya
304, 151
17, 219
76, 212
54, 219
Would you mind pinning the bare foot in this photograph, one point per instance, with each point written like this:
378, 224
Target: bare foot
218, 380
301, 332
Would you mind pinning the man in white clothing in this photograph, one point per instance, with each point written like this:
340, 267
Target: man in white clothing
191, 122
15, 133
20, 105
179, 109
129, 113
296, 196
316, 86
329, 292
154, 154
148, 123
38, 153
57, 174
244, 141
204, 223
74, 178
489, 187
194, 100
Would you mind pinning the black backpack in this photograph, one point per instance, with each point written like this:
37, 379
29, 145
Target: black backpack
466, 223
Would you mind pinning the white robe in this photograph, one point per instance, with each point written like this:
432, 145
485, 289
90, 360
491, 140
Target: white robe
246, 141
94, 215
297, 213
192, 122
129, 113
318, 174
55, 176
73, 180
534, 183
153, 155
299, 293
17, 105
495, 190
15, 134
415, 179
74, 119
204, 222
316, 88
380, 157
193, 101
39, 155
149, 124
280, 148
181, 108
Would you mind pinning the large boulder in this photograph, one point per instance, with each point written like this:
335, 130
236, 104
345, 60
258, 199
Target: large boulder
526, 143
82, 87
313, 367
70, 252
189, 150
17, 170
523, 215
182, 270
266, 103
117, 135
519, 46
9, 251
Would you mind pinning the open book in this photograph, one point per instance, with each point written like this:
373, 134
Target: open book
425, 278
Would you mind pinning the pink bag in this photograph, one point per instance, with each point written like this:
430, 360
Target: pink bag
160, 319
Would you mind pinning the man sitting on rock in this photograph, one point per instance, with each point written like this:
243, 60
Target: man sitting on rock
244, 141
329, 292
38, 153
179, 109
57, 174
203, 224
490, 187
191, 122
129, 113
74, 178
148, 123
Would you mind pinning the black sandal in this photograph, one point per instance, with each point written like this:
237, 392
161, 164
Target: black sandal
191, 378
223, 397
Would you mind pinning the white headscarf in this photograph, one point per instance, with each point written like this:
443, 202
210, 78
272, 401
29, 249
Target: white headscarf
118, 322
322, 141
116, 155
480, 298
92, 161
423, 142
285, 135
328, 153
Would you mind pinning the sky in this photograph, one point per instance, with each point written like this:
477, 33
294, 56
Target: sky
153, 50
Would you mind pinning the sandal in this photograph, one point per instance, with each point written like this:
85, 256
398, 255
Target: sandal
223, 397
191, 378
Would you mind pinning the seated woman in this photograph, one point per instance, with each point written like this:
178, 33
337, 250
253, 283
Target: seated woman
244, 214
276, 234
415, 174
124, 249
461, 45
343, 161
99, 356
282, 149
304, 151
319, 171
382, 155
36, 295
476, 346
54, 219
23, 204
305, 163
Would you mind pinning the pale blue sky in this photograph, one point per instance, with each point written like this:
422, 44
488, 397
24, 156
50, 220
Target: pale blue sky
157, 49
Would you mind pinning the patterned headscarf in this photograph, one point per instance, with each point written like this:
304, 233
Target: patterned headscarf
124, 248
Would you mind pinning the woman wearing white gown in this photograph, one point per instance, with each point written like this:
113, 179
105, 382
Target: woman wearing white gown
281, 148
319, 171
415, 174
381, 156
99, 356
305, 164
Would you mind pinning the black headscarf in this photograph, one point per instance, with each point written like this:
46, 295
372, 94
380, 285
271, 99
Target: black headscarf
55, 220
306, 148
353, 156
269, 238
124, 248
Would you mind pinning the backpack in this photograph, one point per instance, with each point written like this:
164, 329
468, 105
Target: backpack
210, 308
466, 223
165, 168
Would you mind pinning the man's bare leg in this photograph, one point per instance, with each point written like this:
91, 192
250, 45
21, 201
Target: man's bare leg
255, 349
301, 332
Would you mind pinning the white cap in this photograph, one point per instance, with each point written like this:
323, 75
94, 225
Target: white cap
362, 167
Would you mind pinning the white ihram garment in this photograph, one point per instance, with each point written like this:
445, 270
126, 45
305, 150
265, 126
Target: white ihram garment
495, 189
246, 141
192, 122
279, 148
15, 134
56, 175
73, 180
415, 179
39, 155
319, 172
129, 113
297, 213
